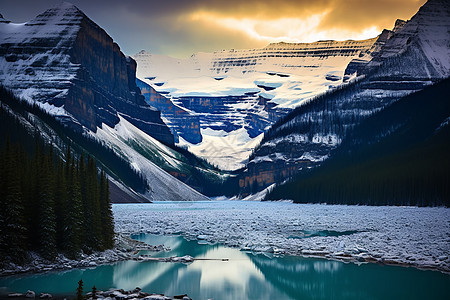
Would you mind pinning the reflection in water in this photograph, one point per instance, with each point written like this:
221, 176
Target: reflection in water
209, 276
231, 277
244, 276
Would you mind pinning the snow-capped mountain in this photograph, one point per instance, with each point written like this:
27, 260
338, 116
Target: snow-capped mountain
423, 43
415, 54
389, 158
71, 67
220, 103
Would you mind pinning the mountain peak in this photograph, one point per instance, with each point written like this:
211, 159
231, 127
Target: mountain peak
64, 13
67, 7
399, 23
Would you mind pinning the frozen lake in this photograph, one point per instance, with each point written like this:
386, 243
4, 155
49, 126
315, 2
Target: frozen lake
256, 238
244, 276
405, 235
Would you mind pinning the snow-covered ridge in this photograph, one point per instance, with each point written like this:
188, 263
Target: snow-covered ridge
413, 55
245, 89
163, 186
428, 32
72, 68
35, 75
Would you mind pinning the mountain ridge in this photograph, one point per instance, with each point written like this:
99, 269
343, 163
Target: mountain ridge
396, 157
65, 63
307, 136
52, 59
233, 96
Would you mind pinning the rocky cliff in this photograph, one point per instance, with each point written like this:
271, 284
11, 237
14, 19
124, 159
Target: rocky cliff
182, 122
413, 55
73, 68
238, 94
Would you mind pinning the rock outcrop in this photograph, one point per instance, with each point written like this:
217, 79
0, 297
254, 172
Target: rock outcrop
181, 121
64, 59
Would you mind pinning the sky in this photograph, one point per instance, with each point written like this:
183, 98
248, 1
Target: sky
180, 28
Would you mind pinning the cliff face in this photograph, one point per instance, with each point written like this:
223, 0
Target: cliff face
63, 58
402, 61
238, 94
182, 122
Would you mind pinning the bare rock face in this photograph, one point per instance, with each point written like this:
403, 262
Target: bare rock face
64, 59
182, 122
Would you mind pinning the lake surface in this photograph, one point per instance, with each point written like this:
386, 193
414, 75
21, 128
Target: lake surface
244, 276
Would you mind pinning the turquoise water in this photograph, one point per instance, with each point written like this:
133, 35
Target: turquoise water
244, 276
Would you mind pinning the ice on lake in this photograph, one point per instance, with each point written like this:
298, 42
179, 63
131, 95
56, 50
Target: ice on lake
404, 235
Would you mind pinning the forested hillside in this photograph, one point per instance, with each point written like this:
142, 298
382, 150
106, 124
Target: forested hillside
51, 205
399, 156
116, 166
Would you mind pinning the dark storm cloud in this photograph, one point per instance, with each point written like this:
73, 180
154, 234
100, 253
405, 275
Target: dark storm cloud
181, 27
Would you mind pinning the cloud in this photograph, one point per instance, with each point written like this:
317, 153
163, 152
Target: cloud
256, 23
293, 30
181, 27
350, 14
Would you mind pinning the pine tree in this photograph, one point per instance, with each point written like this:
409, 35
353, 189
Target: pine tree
12, 230
94, 292
47, 223
80, 290
61, 206
107, 221
73, 232
94, 238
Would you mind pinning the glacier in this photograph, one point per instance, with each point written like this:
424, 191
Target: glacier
231, 91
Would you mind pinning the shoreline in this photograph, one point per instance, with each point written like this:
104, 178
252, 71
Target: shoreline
125, 249
128, 248
112, 293
404, 236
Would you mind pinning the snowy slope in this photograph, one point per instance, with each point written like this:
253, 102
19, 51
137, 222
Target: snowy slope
245, 90
37, 76
125, 138
72, 68
428, 33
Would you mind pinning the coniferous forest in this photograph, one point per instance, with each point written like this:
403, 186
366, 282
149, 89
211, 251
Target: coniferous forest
52, 200
51, 205
117, 166
396, 157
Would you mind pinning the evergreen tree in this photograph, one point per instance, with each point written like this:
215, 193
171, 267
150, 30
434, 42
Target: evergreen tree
94, 292
80, 290
61, 212
73, 232
107, 221
47, 222
12, 231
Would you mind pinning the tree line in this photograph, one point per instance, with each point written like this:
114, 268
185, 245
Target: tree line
398, 156
116, 166
52, 205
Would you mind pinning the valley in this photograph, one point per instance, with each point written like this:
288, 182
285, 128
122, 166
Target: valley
281, 168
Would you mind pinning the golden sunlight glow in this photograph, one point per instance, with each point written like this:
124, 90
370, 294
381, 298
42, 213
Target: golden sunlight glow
293, 30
